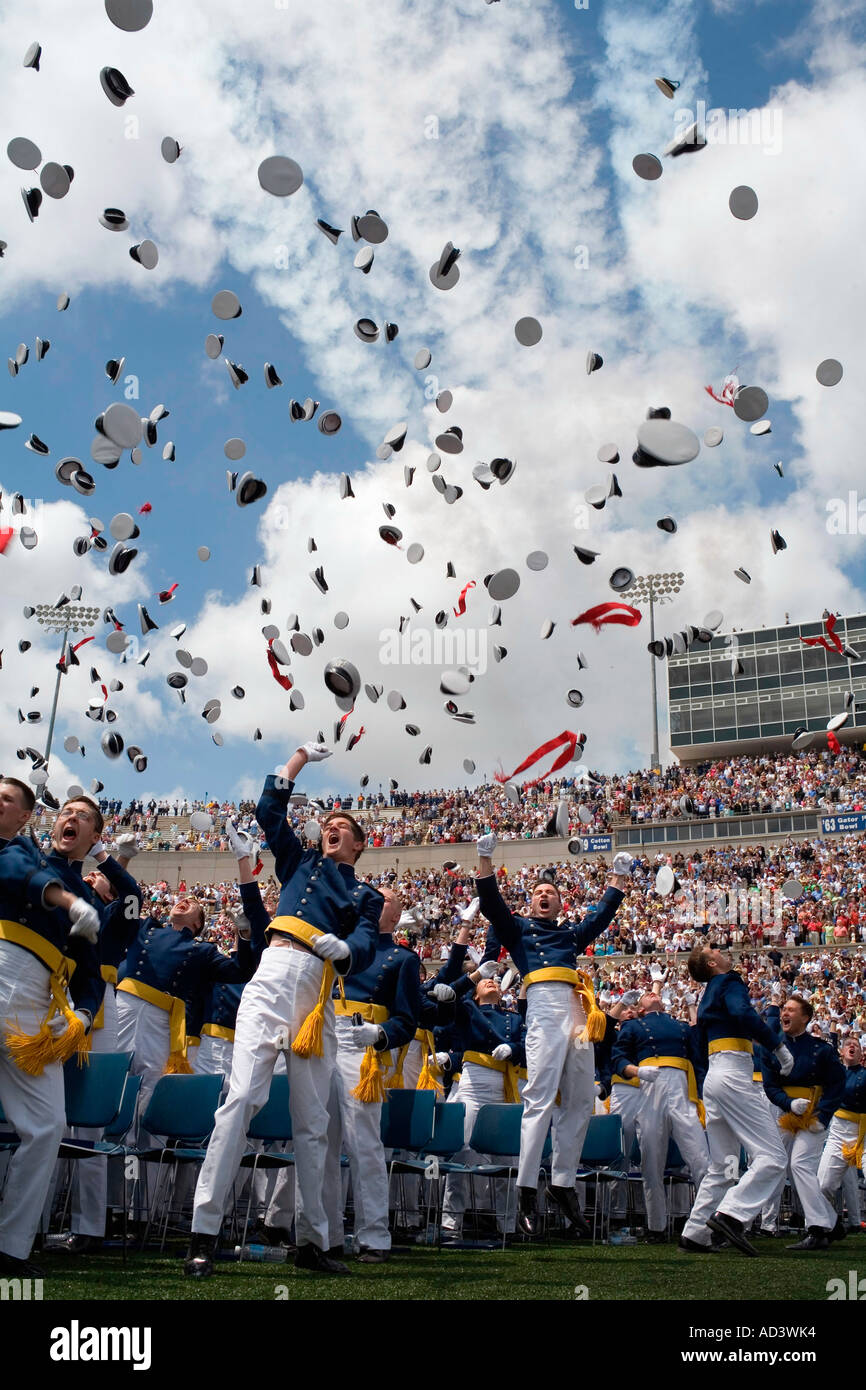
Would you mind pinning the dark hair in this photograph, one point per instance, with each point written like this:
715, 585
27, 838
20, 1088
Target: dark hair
804, 1005
27, 795
698, 964
98, 819
548, 883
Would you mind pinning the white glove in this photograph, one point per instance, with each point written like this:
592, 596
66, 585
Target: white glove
365, 1035
501, 1053
816, 1127
242, 844
315, 751
85, 921
443, 994
330, 947
486, 844
84, 1016
407, 920
622, 862
785, 1059
799, 1106
689, 998
98, 848
488, 969
126, 846
657, 974
471, 912
281, 1041
443, 1061
630, 997
648, 1074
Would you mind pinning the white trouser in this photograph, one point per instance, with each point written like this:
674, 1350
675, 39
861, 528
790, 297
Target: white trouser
413, 1063
34, 1105
803, 1151
212, 1057
355, 1126
89, 1192
735, 1117
834, 1171
478, 1086
284, 990
556, 1062
666, 1110
143, 1029
770, 1210
625, 1101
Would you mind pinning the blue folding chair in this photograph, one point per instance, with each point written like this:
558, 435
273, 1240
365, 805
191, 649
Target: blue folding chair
272, 1125
602, 1163
407, 1123
449, 1121
182, 1108
93, 1096
496, 1131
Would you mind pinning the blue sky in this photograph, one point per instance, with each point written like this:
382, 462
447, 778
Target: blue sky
508, 129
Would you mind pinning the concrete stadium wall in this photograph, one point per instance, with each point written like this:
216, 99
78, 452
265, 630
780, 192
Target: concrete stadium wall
210, 866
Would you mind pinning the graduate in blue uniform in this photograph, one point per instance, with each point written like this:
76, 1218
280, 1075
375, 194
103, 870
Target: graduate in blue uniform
377, 1013
561, 1011
805, 1100
49, 924
663, 1054
327, 925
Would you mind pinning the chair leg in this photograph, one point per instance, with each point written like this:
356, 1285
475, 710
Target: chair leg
251, 1190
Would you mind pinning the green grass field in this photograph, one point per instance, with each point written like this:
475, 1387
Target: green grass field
547, 1272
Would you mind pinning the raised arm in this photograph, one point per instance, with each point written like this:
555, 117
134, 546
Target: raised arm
274, 803
501, 920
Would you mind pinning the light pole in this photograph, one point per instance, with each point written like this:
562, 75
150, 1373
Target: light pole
653, 589
65, 618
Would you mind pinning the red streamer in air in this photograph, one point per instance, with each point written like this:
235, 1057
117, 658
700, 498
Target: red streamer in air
604, 613
833, 743
345, 716
461, 602
277, 674
82, 642
356, 738
730, 387
168, 593
144, 509
570, 740
834, 644
6, 534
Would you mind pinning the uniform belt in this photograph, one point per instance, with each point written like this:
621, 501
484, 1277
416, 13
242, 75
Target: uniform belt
373, 1013
852, 1151
853, 1116
176, 1010
624, 1081
32, 1051
192, 1041
420, 1036
793, 1123
510, 1072
758, 1076
301, 933
582, 984
109, 975
218, 1030
551, 972
730, 1045
681, 1064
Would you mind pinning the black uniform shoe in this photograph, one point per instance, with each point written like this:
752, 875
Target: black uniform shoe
732, 1230
694, 1247
528, 1216
79, 1245
373, 1257
817, 1239
199, 1257
23, 1268
656, 1237
336, 1252
566, 1200
312, 1258
839, 1231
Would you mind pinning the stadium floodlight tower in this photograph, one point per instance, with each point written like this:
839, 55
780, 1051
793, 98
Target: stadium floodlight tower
62, 617
653, 589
